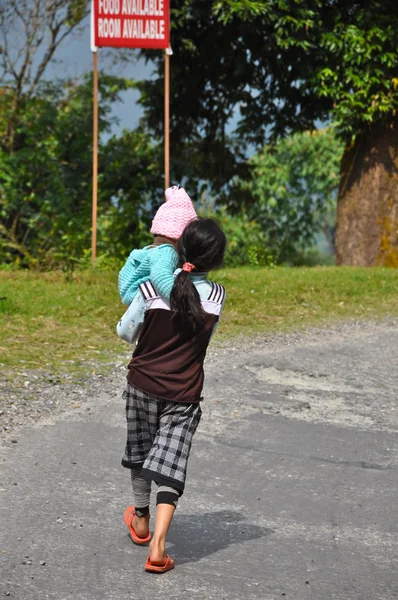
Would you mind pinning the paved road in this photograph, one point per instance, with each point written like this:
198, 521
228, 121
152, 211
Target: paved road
292, 484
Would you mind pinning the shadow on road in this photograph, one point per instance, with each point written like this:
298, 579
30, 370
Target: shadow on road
197, 536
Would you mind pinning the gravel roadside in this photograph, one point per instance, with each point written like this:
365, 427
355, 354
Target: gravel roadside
310, 390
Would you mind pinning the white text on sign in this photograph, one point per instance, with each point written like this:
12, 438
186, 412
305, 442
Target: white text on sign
134, 8
132, 29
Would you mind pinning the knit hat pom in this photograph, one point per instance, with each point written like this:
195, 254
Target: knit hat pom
176, 193
174, 215
170, 192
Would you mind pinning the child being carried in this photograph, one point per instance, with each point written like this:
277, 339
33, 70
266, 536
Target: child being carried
158, 261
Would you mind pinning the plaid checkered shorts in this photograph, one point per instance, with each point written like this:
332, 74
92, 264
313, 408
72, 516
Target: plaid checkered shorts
159, 436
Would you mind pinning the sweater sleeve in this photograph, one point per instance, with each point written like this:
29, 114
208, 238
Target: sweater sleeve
163, 265
127, 282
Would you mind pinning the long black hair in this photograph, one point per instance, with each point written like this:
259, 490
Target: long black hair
202, 244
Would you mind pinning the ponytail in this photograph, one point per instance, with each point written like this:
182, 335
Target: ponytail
201, 248
185, 301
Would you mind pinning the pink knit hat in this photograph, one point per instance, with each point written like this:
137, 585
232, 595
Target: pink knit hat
174, 215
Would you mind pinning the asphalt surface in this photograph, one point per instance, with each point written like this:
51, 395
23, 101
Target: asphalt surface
292, 484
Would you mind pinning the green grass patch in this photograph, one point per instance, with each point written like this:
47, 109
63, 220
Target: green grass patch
47, 322
282, 299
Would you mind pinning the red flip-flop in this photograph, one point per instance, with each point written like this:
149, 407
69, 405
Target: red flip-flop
129, 515
162, 567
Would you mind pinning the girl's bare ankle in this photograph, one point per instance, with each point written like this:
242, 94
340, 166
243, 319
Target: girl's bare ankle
157, 550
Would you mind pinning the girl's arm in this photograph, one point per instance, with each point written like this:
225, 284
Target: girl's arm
204, 288
131, 322
219, 317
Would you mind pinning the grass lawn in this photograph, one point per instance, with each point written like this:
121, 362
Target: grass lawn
48, 322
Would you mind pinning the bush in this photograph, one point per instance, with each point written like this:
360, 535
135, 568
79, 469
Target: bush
292, 191
247, 244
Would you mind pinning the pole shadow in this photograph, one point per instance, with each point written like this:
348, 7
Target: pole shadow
197, 536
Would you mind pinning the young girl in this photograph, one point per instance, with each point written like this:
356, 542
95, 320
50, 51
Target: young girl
158, 261
165, 382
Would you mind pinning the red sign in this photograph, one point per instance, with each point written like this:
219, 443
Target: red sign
132, 23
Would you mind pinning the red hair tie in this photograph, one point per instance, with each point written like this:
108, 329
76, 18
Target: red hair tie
188, 267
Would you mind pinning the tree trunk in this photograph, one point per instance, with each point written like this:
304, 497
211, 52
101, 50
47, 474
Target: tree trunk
367, 213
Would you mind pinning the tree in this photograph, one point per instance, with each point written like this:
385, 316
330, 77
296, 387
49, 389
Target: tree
292, 190
45, 183
131, 188
31, 32
46, 147
281, 65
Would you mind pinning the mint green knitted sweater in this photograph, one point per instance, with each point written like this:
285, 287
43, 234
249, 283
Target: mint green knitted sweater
156, 263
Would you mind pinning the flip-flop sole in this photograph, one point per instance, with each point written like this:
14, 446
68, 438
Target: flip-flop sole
154, 568
128, 518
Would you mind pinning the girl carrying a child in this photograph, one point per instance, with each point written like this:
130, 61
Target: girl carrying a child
165, 381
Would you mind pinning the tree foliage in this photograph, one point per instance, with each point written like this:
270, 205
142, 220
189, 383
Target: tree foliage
276, 67
31, 32
244, 73
292, 190
247, 242
45, 182
46, 147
